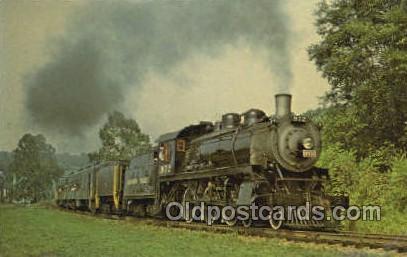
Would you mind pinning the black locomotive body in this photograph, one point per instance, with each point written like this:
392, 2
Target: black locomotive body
261, 160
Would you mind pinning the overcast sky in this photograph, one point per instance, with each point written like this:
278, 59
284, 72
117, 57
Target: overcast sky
235, 79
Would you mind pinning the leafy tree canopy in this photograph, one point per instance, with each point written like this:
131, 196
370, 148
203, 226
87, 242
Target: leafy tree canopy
121, 139
363, 54
34, 167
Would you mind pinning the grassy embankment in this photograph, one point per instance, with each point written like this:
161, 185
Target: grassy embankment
38, 231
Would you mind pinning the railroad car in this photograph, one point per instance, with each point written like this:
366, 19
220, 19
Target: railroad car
97, 188
141, 184
73, 190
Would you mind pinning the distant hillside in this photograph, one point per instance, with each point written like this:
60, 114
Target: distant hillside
67, 161
70, 162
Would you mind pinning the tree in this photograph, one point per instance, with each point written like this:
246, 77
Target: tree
121, 139
363, 54
33, 168
5, 177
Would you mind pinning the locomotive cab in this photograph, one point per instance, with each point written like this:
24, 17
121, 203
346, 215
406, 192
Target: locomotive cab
173, 147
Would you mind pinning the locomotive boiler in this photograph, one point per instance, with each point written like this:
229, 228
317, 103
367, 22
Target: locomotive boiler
285, 141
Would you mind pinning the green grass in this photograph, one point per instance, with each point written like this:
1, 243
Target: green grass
394, 223
38, 231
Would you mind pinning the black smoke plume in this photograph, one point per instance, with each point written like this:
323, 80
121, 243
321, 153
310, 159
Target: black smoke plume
110, 47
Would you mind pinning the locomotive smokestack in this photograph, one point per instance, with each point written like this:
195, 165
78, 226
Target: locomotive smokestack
283, 105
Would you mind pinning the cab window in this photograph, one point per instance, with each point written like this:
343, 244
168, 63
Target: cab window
180, 145
164, 152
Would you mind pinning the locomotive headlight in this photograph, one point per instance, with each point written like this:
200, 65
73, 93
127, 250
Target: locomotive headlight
308, 143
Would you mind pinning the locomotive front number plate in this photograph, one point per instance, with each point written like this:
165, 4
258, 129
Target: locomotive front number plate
309, 153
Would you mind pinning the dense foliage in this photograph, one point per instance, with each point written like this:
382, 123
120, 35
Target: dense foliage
367, 184
121, 139
363, 54
33, 168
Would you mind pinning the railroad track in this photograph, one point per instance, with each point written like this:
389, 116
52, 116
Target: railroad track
346, 238
374, 241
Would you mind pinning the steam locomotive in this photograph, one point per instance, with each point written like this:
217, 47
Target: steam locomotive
244, 159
